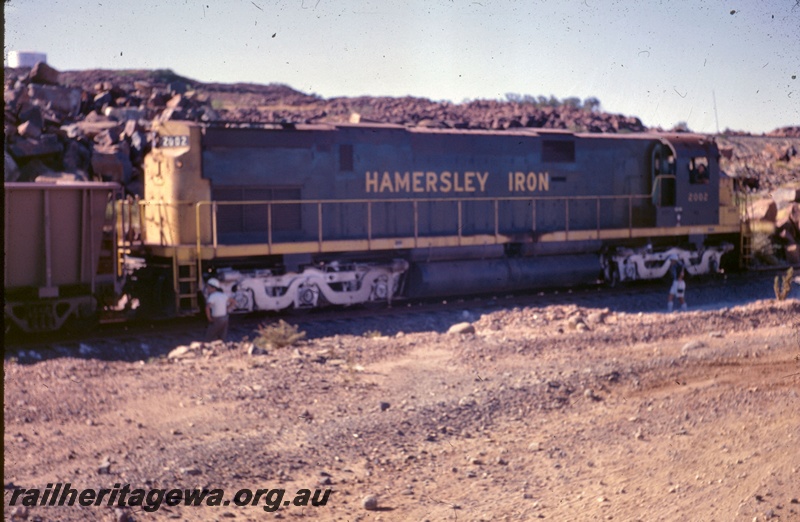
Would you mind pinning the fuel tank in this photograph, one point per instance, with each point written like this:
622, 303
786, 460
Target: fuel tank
501, 275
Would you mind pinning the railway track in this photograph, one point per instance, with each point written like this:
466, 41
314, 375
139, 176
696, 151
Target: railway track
141, 340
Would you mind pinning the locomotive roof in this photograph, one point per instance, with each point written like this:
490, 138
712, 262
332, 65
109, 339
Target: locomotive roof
684, 138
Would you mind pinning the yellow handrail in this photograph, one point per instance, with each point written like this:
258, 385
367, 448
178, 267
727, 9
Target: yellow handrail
214, 207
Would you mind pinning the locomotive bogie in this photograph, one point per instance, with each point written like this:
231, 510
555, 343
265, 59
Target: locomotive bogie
336, 284
632, 264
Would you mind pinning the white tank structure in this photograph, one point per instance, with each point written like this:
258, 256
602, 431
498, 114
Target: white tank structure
25, 58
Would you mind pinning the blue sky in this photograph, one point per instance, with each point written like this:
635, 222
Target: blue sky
658, 60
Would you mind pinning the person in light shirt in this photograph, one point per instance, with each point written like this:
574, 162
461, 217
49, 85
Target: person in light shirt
217, 306
678, 289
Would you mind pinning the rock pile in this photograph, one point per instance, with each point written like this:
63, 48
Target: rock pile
779, 214
476, 114
95, 124
57, 131
765, 164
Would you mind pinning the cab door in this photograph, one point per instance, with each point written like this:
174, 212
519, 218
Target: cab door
697, 180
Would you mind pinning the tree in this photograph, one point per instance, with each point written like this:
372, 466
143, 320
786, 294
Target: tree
681, 126
591, 104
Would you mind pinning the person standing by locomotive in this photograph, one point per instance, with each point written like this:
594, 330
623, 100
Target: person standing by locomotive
218, 304
678, 287
675, 267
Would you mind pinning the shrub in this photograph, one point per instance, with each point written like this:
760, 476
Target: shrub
277, 335
783, 287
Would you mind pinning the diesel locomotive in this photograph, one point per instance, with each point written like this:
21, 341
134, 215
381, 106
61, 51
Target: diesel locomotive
302, 215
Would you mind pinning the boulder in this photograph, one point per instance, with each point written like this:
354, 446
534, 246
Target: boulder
29, 129
87, 128
14, 96
462, 329
59, 99
793, 254
77, 157
598, 317
788, 229
177, 101
370, 503
763, 210
109, 136
124, 113
61, 177
10, 131
180, 352
31, 147
143, 87
34, 168
172, 114
31, 113
96, 117
785, 196
102, 100
10, 170
113, 162
43, 73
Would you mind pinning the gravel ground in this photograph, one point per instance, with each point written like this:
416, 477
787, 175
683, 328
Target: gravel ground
583, 406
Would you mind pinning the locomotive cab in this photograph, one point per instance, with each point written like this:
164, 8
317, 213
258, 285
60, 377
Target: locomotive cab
685, 170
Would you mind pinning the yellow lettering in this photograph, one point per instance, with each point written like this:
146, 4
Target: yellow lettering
456, 186
469, 176
531, 181
402, 182
445, 182
519, 181
430, 182
544, 181
372, 181
386, 183
449, 181
418, 181
482, 180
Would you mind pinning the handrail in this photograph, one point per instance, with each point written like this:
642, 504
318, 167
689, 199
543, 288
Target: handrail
214, 207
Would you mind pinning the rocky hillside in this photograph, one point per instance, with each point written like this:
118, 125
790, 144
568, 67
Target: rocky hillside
280, 103
93, 124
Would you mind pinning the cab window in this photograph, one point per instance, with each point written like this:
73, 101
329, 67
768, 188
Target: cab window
698, 170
